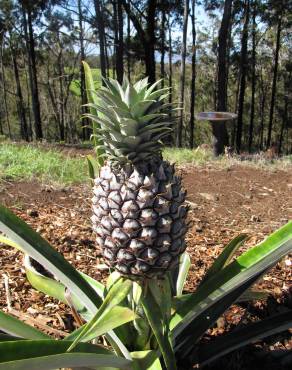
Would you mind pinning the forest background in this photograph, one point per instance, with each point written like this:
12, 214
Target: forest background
232, 55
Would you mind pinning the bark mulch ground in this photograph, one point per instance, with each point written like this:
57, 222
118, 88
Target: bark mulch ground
223, 203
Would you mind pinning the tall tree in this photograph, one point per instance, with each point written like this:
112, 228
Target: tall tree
169, 61
275, 77
28, 9
219, 128
120, 46
128, 47
85, 131
101, 35
162, 43
4, 89
193, 80
145, 33
243, 71
182, 74
262, 108
20, 102
253, 77
223, 37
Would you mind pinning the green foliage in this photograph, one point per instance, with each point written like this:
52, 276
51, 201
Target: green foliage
182, 156
28, 162
52, 354
75, 84
128, 120
172, 324
93, 163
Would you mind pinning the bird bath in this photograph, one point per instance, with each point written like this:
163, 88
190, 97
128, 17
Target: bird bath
220, 136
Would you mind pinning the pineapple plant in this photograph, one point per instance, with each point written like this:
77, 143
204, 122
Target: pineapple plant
139, 217
139, 214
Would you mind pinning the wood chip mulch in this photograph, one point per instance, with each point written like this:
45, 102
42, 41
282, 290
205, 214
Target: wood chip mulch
223, 203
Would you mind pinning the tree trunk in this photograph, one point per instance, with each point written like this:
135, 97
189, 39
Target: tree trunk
128, 47
116, 36
55, 106
120, 46
182, 75
107, 63
147, 37
61, 98
150, 36
243, 70
222, 57
169, 61
85, 131
33, 78
20, 103
101, 35
253, 83
222, 139
274, 86
162, 48
262, 110
193, 82
4, 91
284, 123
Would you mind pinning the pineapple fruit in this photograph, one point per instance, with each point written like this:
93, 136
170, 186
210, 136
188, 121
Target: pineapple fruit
139, 215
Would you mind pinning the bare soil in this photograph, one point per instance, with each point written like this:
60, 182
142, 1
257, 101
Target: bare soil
223, 203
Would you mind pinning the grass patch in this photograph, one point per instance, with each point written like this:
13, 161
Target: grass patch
48, 165
190, 156
201, 157
27, 162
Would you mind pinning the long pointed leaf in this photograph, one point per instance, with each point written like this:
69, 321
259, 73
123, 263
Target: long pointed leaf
115, 296
15, 327
116, 317
146, 360
183, 273
225, 256
241, 337
51, 354
243, 269
39, 249
155, 319
186, 341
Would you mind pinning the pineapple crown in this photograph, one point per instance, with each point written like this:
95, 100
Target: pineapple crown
130, 120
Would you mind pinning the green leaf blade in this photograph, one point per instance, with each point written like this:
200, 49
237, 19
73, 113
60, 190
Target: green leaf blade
51, 354
155, 319
15, 327
243, 336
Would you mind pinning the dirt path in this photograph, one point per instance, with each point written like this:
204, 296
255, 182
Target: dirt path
223, 203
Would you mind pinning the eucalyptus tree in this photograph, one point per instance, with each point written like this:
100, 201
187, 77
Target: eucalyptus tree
243, 72
193, 80
5, 7
99, 19
277, 15
59, 41
30, 11
253, 83
182, 74
118, 38
143, 15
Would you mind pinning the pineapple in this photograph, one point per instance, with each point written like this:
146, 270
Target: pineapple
139, 215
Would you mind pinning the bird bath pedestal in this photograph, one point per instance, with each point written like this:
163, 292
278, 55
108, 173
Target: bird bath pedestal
220, 136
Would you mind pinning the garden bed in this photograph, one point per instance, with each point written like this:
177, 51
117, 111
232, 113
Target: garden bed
222, 203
